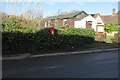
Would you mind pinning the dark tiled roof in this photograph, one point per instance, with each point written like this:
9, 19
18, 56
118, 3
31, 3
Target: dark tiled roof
110, 19
63, 16
81, 17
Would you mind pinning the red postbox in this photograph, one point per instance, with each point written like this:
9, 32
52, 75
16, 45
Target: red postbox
52, 31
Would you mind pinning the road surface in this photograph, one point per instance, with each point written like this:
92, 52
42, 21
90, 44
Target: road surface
96, 65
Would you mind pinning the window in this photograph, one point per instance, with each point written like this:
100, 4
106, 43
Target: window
65, 22
49, 24
45, 24
88, 24
56, 22
100, 29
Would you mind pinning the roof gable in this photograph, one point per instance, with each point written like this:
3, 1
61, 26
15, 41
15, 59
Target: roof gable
95, 15
98, 17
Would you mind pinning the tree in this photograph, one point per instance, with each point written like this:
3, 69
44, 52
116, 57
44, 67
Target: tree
25, 12
110, 27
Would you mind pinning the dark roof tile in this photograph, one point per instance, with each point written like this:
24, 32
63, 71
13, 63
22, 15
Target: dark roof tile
110, 19
67, 15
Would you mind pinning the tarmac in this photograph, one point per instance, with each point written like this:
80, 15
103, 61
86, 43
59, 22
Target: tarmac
85, 51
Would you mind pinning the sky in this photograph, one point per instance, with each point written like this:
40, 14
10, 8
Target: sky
52, 8
104, 8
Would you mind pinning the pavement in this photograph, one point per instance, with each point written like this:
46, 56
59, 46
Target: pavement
104, 48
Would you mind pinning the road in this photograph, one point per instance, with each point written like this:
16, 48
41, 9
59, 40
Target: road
95, 65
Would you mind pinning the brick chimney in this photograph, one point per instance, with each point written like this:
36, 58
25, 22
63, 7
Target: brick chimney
113, 11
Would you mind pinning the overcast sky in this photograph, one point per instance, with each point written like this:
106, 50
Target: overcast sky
53, 7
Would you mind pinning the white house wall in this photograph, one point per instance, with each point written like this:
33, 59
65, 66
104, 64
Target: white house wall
99, 20
82, 23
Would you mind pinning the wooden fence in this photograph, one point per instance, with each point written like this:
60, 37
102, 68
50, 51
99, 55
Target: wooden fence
101, 37
117, 37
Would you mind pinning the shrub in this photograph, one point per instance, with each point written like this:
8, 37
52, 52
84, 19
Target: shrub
111, 27
78, 31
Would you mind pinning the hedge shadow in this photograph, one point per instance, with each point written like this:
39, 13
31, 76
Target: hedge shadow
19, 42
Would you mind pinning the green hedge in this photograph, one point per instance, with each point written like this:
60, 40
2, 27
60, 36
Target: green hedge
78, 31
41, 39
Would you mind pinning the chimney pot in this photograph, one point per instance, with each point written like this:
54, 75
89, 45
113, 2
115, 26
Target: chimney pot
114, 11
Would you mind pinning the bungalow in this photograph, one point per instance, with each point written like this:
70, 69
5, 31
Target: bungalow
87, 22
77, 19
94, 21
64, 20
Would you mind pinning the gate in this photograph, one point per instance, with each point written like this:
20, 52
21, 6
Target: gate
101, 37
117, 37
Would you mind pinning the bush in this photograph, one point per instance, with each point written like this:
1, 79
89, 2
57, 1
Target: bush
12, 20
78, 31
110, 27
41, 39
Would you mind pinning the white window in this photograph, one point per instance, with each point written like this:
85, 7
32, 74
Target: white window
65, 22
100, 29
45, 24
56, 22
49, 24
